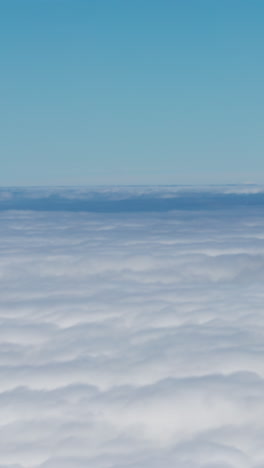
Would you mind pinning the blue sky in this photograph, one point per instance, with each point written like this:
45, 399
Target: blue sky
131, 92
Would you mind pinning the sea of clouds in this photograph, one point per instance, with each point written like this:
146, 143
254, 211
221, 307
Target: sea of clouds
132, 328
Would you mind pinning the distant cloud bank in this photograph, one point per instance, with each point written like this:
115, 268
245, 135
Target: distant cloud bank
131, 199
132, 328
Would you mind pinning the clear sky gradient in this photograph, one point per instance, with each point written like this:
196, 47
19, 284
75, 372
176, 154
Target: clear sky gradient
131, 92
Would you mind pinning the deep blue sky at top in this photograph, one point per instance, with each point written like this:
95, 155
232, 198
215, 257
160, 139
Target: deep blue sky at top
131, 91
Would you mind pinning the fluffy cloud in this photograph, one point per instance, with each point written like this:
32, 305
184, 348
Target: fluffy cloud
132, 339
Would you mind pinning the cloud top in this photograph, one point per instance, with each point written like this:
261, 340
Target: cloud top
132, 199
129, 338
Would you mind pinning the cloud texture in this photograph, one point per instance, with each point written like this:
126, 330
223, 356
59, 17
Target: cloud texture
132, 340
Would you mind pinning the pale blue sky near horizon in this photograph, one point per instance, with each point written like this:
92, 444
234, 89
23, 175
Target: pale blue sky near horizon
131, 92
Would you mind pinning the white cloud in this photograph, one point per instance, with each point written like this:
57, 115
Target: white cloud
132, 340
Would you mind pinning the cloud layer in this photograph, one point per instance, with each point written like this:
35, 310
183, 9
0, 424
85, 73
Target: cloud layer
132, 199
132, 340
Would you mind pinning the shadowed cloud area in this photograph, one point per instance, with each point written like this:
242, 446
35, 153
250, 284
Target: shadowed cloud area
132, 327
131, 199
